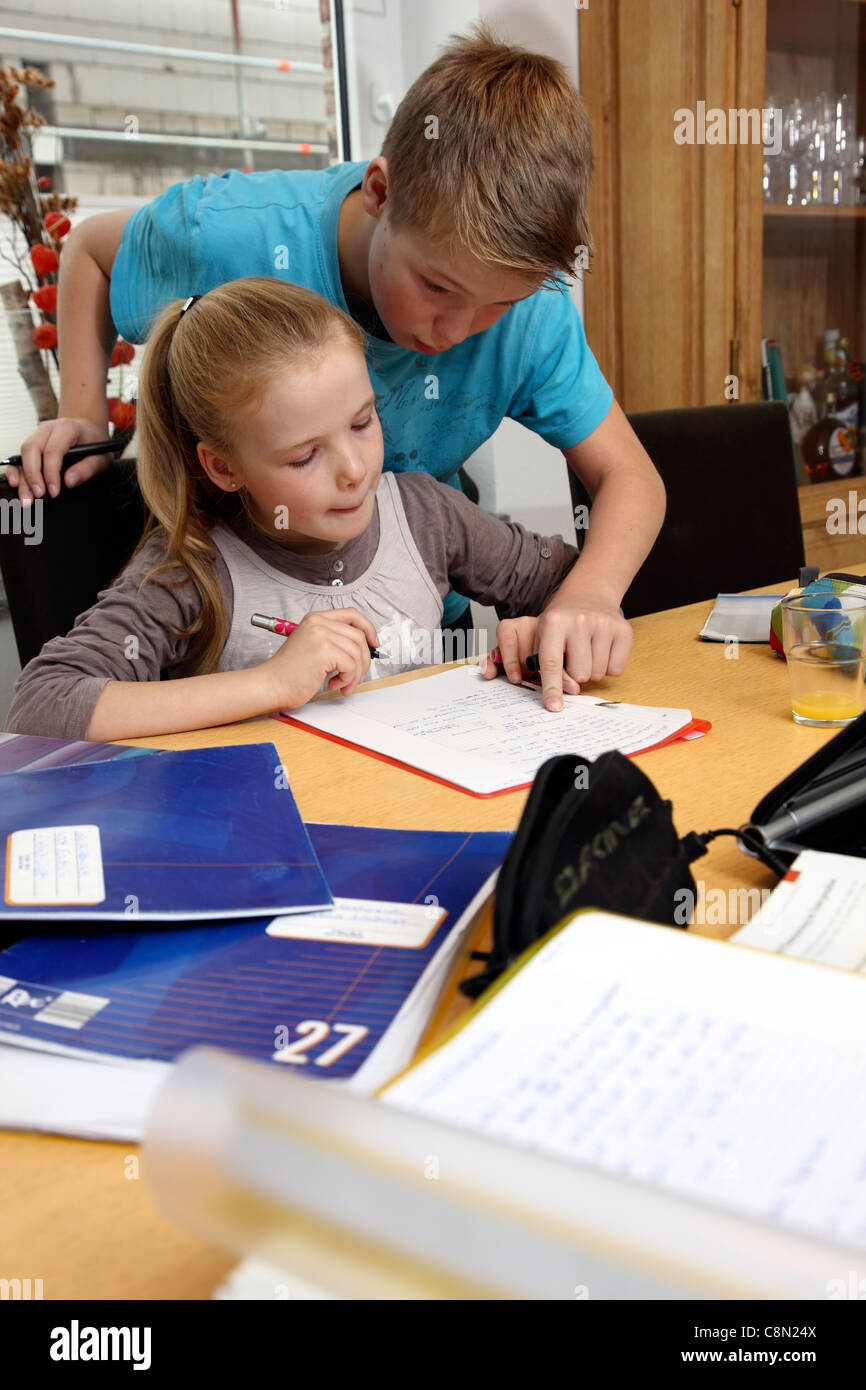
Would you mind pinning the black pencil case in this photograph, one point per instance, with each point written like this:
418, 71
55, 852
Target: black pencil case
592, 834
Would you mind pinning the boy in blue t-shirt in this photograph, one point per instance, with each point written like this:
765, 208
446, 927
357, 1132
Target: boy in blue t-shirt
450, 249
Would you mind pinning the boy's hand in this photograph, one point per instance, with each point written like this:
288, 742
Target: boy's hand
517, 638
42, 455
333, 643
592, 634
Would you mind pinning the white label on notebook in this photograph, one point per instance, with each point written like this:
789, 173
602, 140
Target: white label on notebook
364, 923
71, 1010
55, 865
20, 999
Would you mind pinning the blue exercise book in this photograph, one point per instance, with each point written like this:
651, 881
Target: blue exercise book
317, 992
204, 833
32, 752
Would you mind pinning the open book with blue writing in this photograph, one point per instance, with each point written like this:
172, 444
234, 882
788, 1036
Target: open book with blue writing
486, 737
720, 1073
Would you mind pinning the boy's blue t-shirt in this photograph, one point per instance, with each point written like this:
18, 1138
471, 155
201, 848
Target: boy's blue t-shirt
532, 365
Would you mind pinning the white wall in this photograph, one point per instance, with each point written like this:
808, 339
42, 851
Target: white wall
531, 476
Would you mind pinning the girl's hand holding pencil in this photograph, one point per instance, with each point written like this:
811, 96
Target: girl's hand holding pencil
336, 643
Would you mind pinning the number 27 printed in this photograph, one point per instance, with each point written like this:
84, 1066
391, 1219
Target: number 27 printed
314, 1031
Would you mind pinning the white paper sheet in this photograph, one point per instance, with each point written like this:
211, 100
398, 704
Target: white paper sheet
716, 1073
817, 912
256, 1280
745, 617
364, 922
67, 1095
483, 735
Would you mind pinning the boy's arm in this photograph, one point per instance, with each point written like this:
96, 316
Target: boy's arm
496, 562
628, 507
86, 337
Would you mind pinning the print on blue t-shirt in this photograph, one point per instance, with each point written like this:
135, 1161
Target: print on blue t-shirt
532, 365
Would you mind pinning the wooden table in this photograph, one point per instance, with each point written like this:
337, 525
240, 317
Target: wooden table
73, 1218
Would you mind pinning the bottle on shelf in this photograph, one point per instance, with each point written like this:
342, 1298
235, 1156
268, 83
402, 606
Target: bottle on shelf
848, 392
804, 412
828, 449
828, 381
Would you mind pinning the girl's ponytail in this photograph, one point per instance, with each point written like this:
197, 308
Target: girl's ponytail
172, 483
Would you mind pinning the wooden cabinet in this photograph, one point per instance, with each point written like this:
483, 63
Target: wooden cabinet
673, 295
814, 262
833, 517
692, 266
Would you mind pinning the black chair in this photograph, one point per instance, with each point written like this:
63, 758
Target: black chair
732, 522
88, 534
733, 515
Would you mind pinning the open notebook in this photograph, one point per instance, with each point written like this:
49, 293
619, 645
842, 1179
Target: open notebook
487, 737
724, 1075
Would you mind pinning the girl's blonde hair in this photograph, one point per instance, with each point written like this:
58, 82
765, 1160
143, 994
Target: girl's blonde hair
199, 369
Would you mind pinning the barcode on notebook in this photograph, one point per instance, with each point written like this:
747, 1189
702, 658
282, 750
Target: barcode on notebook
71, 1010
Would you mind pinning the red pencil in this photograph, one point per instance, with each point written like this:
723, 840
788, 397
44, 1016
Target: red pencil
284, 627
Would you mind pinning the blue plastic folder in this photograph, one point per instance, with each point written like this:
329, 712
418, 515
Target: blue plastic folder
319, 1006
34, 752
207, 833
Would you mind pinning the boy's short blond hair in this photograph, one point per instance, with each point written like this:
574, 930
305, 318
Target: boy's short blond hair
504, 170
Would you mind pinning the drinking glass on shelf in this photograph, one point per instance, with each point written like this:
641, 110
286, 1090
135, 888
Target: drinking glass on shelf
858, 170
793, 145
774, 172
811, 167
767, 169
822, 159
841, 137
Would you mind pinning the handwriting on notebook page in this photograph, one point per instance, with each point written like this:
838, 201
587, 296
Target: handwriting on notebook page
510, 723
678, 1094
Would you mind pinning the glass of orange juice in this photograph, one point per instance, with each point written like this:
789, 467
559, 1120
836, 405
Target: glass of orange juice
824, 637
